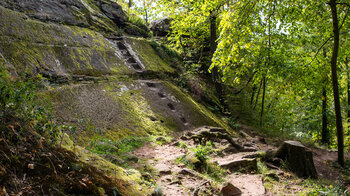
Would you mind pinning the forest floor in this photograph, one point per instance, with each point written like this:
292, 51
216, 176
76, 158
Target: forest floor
171, 168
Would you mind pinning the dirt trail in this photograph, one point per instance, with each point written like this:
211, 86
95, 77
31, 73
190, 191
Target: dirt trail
175, 179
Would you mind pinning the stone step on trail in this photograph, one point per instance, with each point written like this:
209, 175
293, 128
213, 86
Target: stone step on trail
125, 53
136, 66
116, 38
131, 60
128, 56
151, 84
121, 46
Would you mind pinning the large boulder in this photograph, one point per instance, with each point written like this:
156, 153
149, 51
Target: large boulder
298, 158
57, 11
114, 12
161, 27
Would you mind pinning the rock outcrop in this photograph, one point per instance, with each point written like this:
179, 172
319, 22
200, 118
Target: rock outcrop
101, 82
161, 27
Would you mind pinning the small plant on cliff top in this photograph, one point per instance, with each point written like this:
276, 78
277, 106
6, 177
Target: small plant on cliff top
202, 152
20, 101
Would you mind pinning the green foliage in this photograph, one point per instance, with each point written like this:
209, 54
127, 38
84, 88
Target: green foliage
232, 121
202, 152
101, 145
20, 101
182, 145
286, 42
163, 51
318, 187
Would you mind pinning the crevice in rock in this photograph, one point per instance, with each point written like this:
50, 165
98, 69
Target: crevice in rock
151, 84
171, 106
161, 95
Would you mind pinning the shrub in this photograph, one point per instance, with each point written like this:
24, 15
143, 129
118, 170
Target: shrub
21, 102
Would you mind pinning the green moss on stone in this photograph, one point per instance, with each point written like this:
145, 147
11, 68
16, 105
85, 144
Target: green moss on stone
29, 44
149, 56
131, 179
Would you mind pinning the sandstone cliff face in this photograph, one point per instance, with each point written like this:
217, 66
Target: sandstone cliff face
100, 79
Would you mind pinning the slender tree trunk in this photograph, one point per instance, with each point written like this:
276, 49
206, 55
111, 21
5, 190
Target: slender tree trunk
263, 102
348, 91
252, 97
214, 71
213, 36
264, 79
340, 134
325, 132
130, 3
146, 17
325, 135
257, 95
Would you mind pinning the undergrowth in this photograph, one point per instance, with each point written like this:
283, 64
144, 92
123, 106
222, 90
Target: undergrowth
199, 160
31, 161
101, 145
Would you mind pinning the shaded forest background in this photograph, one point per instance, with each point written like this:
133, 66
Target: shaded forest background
288, 60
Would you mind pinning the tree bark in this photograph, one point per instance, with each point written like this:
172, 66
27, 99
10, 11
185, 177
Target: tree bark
252, 97
257, 95
263, 102
213, 46
130, 3
298, 158
325, 137
348, 91
325, 132
337, 108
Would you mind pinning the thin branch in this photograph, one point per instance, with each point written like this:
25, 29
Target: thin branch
319, 49
250, 79
347, 12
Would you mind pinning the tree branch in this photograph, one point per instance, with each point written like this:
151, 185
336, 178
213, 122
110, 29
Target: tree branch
319, 49
250, 79
347, 12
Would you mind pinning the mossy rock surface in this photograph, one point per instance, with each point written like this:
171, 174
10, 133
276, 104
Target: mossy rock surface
149, 57
31, 45
118, 109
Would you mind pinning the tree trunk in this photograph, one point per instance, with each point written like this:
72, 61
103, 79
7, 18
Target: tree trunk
252, 97
263, 102
213, 44
325, 137
257, 95
146, 19
348, 91
214, 71
325, 132
264, 79
340, 134
130, 3
298, 158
